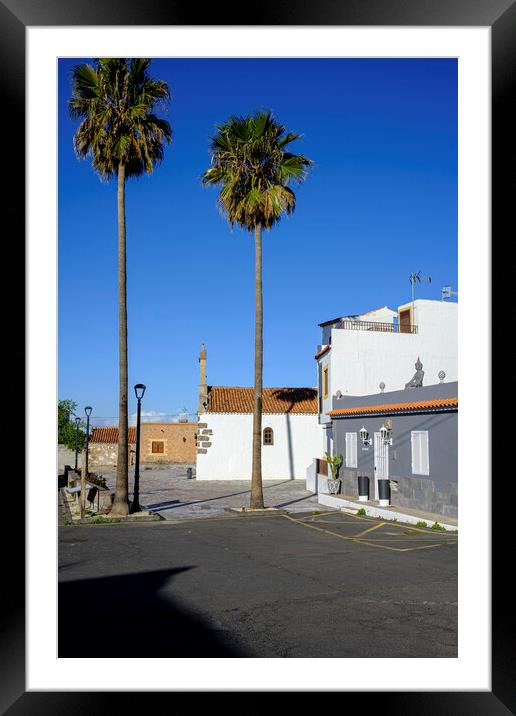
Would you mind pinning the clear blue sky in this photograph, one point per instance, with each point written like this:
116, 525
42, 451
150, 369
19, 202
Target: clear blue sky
380, 202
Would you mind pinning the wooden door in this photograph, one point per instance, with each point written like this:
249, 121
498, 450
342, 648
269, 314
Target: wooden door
405, 322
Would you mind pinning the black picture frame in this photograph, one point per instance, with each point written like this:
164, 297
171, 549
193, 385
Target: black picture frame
500, 16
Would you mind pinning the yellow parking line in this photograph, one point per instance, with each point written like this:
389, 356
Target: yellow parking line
397, 549
369, 529
413, 538
313, 527
322, 514
331, 522
360, 541
412, 528
391, 523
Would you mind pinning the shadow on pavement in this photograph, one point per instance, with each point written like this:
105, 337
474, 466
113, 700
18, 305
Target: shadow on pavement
126, 616
172, 504
292, 502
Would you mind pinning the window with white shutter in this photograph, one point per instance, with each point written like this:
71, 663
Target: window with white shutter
351, 450
420, 459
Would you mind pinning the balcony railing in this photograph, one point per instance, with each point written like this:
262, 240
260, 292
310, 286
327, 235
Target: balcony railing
376, 326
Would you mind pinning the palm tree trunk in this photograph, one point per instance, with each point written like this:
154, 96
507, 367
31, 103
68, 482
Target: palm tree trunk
121, 501
256, 479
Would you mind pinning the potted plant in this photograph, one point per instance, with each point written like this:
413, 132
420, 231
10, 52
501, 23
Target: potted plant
334, 462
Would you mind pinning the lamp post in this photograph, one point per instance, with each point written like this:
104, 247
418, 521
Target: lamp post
139, 390
77, 423
84, 470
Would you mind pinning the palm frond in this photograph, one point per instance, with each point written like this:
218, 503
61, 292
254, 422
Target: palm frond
250, 165
115, 99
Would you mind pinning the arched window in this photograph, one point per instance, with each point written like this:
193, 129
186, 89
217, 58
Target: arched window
268, 436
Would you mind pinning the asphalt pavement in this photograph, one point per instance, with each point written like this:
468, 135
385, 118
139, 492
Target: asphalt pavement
297, 585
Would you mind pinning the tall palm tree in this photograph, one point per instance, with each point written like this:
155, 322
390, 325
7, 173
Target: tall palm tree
116, 100
252, 164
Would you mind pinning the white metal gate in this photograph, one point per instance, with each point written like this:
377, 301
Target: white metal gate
381, 461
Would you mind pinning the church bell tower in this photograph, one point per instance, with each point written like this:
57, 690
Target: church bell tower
203, 388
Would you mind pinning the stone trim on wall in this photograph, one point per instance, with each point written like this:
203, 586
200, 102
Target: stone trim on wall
204, 436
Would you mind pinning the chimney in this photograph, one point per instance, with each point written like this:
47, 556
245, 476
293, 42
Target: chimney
203, 388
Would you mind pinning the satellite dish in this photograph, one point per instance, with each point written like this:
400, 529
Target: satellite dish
338, 394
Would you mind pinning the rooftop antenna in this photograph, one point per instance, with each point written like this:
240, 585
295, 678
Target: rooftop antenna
417, 278
446, 292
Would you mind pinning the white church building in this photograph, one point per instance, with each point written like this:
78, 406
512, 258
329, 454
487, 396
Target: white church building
291, 435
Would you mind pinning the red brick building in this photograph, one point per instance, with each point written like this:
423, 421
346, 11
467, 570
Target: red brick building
160, 442
168, 442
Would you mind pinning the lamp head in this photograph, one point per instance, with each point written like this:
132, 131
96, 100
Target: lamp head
385, 432
139, 390
88, 410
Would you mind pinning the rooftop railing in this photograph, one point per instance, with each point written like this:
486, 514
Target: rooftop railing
376, 326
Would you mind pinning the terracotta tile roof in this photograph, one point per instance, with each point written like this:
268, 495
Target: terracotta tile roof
328, 323
422, 405
299, 401
323, 350
110, 435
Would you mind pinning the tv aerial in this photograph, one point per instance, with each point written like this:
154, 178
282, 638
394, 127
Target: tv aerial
417, 278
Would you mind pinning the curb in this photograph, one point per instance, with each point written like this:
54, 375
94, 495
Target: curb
345, 505
64, 504
249, 511
107, 520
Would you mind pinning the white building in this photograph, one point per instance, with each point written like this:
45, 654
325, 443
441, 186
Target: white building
291, 435
378, 351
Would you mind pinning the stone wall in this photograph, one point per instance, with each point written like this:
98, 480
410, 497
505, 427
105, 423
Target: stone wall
416, 492
179, 445
106, 455
179, 442
65, 456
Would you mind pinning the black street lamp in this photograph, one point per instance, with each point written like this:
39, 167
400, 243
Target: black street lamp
77, 422
139, 390
84, 470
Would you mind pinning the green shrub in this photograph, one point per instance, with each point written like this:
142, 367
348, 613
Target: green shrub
95, 479
361, 511
437, 526
100, 520
421, 523
334, 462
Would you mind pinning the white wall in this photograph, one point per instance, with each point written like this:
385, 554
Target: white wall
360, 360
297, 440
382, 315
